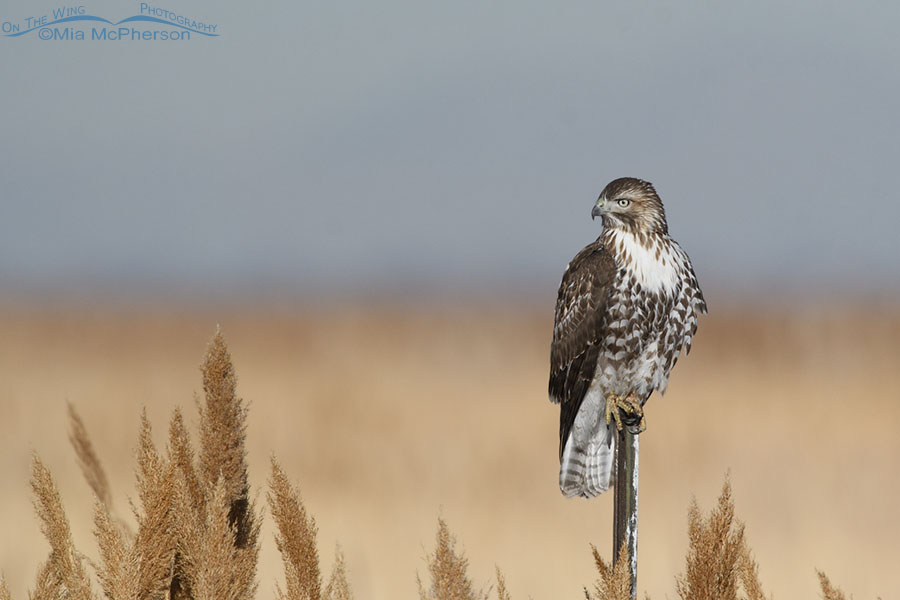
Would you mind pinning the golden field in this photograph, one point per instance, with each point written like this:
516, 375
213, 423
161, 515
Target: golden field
388, 419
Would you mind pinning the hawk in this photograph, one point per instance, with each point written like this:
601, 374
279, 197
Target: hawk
627, 306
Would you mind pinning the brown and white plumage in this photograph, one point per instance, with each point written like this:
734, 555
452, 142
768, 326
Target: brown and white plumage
627, 305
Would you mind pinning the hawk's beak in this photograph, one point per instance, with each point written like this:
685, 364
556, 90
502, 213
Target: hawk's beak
597, 210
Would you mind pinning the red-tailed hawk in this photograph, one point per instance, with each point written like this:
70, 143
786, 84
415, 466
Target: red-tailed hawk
627, 305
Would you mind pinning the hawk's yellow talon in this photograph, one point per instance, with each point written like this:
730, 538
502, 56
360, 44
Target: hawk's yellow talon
616, 405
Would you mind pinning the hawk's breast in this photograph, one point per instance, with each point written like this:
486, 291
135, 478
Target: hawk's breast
642, 335
650, 261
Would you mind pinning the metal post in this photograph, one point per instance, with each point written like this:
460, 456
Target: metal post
625, 516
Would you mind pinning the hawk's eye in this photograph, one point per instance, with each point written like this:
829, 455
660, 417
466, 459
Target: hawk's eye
623, 202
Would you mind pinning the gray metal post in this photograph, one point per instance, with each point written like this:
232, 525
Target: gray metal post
625, 516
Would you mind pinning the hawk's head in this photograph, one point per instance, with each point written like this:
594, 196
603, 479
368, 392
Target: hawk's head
631, 204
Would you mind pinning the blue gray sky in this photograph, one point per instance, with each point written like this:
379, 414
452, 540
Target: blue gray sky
346, 148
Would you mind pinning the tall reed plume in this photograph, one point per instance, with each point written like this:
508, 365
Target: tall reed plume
296, 541
448, 571
615, 579
64, 574
88, 459
197, 531
829, 592
718, 560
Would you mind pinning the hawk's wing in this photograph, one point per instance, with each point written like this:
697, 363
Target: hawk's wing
578, 330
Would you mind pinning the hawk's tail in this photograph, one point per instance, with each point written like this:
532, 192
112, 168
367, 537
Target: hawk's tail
585, 471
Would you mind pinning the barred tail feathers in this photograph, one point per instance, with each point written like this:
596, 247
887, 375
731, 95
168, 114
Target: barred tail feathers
585, 469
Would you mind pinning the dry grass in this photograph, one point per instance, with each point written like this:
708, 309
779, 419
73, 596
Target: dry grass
223, 429
196, 536
719, 563
296, 539
157, 533
748, 571
387, 417
338, 587
615, 579
65, 571
447, 569
182, 456
120, 565
47, 585
718, 560
502, 593
716, 550
214, 565
88, 459
217, 531
829, 592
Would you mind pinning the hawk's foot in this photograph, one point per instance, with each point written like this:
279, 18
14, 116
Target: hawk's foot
627, 412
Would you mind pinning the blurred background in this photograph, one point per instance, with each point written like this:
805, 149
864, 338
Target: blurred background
376, 203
